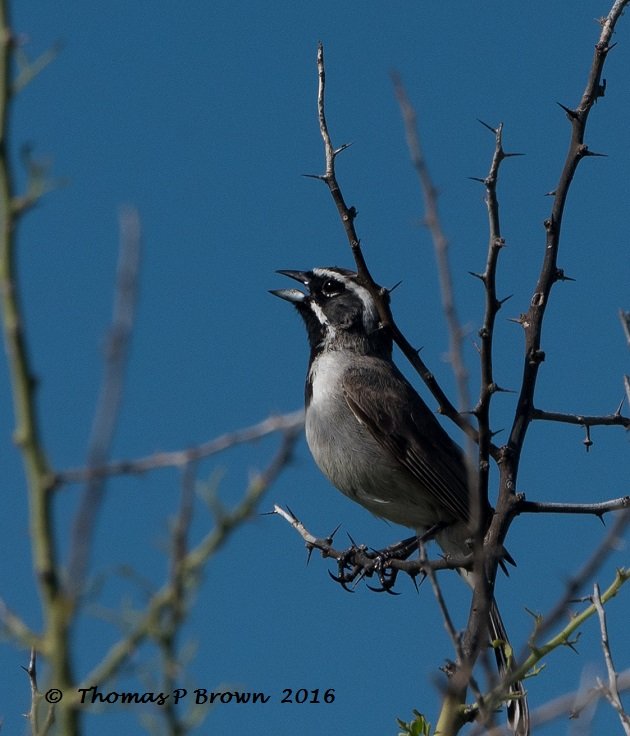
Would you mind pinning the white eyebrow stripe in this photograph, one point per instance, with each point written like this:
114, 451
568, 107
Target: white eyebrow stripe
327, 272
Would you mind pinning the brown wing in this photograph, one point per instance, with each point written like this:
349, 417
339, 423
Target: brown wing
402, 424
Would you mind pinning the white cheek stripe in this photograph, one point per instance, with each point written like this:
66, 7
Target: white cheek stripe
319, 313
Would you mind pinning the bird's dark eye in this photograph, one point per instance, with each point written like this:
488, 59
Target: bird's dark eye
332, 287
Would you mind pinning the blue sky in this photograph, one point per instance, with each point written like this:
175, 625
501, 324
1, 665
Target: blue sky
203, 116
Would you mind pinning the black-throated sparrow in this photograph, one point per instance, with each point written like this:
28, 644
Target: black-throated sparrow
372, 435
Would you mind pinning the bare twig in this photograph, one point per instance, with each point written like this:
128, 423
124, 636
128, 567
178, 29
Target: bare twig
13, 626
583, 420
110, 396
611, 690
576, 583
191, 565
437, 592
181, 458
595, 509
625, 323
29, 69
169, 624
565, 705
566, 637
440, 241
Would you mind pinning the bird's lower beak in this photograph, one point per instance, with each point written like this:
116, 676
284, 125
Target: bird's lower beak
292, 295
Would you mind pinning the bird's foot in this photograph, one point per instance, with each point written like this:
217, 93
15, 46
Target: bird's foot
359, 562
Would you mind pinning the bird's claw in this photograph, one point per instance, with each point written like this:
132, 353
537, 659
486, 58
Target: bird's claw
351, 571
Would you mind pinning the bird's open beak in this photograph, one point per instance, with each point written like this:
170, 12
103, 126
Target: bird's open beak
292, 295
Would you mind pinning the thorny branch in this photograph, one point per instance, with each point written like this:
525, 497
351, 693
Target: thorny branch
550, 273
510, 503
595, 509
478, 471
488, 386
379, 294
583, 420
366, 561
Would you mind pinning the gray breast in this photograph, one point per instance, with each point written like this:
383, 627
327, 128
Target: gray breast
351, 458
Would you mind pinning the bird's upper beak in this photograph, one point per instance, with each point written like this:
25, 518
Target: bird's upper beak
292, 295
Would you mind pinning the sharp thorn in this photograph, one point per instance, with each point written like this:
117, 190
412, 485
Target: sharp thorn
321, 177
341, 148
561, 276
505, 299
395, 286
331, 536
479, 276
507, 557
476, 178
511, 155
572, 114
494, 131
587, 441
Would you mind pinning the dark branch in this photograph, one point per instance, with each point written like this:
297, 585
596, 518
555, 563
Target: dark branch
596, 509
368, 560
532, 321
380, 295
583, 420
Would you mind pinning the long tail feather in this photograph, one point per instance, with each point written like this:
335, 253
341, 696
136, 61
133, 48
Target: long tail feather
517, 709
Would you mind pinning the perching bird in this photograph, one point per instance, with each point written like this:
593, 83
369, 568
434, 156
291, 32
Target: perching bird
373, 436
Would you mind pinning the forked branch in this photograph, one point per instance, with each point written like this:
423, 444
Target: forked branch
380, 295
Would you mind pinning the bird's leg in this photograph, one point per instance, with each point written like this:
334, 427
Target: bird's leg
399, 551
359, 562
